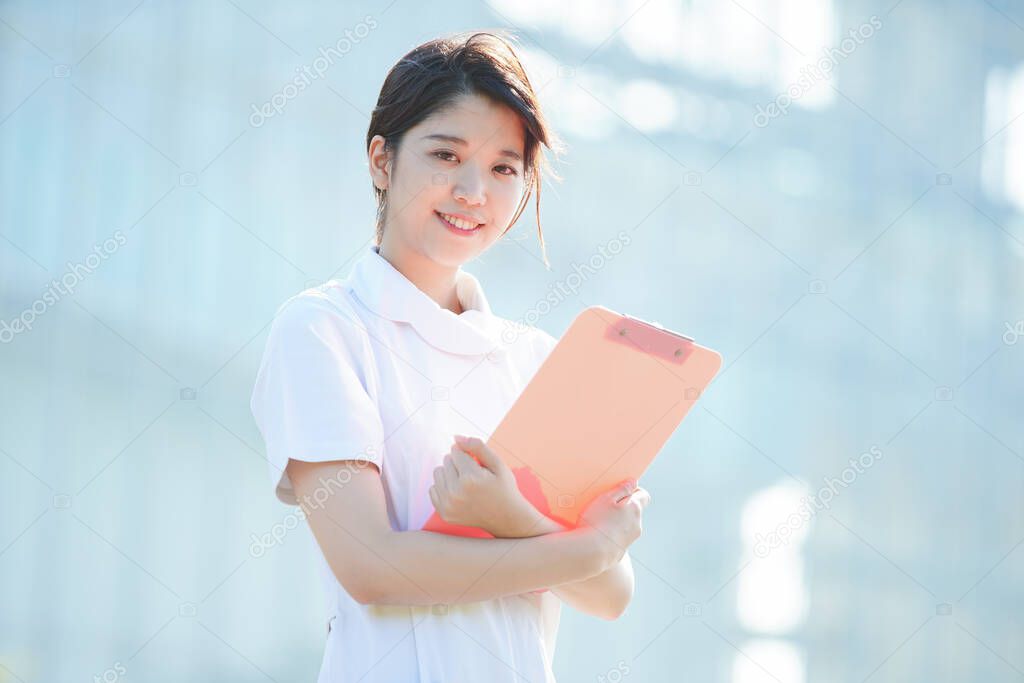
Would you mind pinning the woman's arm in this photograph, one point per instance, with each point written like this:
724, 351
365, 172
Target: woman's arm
605, 595
475, 487
378, 565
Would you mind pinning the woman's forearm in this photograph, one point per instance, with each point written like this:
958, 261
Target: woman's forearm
379, 565
605, 595
426, 568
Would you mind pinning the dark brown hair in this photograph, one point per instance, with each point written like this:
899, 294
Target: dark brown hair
430, 77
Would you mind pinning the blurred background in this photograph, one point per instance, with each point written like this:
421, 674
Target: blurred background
830, 193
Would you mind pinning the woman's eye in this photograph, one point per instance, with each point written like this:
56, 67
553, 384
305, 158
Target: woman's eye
503, 169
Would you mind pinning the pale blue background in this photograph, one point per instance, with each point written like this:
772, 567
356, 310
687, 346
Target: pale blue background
859, 298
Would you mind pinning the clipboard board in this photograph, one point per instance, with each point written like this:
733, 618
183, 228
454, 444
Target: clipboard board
597, 411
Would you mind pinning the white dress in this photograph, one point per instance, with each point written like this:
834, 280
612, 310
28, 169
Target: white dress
371, 367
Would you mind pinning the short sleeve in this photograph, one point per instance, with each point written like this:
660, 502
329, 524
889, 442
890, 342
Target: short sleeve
310, 400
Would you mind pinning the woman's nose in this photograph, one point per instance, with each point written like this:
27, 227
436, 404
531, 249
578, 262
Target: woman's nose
469, 187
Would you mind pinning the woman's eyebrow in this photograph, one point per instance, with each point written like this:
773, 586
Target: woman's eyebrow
459, 141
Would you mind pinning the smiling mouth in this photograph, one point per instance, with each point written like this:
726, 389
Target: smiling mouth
457, 223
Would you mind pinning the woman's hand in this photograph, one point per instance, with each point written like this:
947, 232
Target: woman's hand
480, 492
615, 518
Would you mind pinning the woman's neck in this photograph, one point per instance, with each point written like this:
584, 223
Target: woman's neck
436, 281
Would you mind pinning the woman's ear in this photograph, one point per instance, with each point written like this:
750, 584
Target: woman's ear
380, 162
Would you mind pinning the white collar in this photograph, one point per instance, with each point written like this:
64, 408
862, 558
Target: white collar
387, 292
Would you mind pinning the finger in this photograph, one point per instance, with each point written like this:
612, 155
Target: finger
459, 445
451, 475
622, 491
481, 451
439, 481
641, 497
465, 464
434, 499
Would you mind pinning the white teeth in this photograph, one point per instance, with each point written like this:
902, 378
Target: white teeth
458, 222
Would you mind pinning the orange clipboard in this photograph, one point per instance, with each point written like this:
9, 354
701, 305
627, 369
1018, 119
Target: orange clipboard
596, 412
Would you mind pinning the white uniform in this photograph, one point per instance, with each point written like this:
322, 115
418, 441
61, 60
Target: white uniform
371, 367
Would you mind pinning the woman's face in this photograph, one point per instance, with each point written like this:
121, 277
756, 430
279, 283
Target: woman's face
464, 162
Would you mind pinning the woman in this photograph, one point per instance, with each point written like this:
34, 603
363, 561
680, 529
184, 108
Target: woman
365, 382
